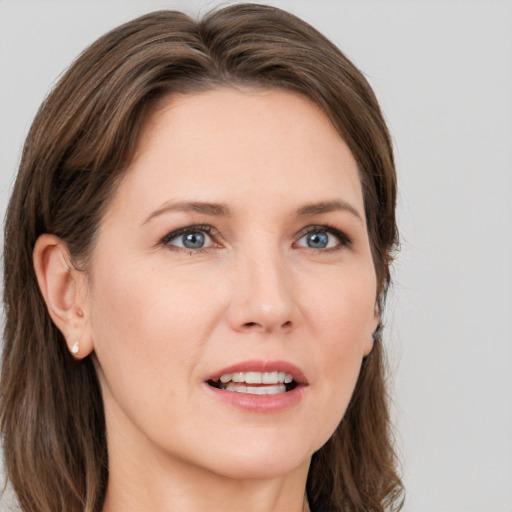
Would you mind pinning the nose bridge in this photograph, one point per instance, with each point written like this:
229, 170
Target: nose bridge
263, 297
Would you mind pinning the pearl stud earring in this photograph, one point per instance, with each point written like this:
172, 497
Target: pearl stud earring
75, 348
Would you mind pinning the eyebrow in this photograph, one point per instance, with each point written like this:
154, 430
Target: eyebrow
222, 210
329, 206
214, 209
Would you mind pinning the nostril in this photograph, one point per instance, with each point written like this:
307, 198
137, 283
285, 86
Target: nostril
253, 325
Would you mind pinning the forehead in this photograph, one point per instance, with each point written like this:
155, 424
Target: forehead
235, 144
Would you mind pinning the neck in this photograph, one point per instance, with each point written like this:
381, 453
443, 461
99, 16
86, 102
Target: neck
149, 481
192, 490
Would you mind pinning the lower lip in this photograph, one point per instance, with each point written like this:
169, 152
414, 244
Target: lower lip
259, 403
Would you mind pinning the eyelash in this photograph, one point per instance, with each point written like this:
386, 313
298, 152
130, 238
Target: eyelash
213, 234
197, 228
344, 240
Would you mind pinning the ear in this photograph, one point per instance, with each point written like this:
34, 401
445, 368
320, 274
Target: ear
64, 289
375, 324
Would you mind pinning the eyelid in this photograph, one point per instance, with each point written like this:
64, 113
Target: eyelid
343, 238
209, 230
214, 234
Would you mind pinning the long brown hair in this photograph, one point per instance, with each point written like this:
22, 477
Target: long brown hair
81, 141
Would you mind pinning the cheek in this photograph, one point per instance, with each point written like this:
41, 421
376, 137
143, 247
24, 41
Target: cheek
138, 299
149, 333
147, 327
344, 319
343, 308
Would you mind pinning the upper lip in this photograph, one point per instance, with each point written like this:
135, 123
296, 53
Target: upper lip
258, 365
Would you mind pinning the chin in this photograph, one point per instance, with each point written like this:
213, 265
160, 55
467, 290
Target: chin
261, 459
266, 468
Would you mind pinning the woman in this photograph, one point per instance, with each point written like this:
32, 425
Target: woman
197, 252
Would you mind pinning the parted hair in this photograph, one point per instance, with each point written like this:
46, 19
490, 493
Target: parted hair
80, 143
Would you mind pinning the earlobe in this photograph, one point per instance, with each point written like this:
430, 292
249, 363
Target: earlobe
375, 325
62, 288
376, 316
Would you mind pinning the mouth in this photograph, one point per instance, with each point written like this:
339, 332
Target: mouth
257, 377
255, 383
259, 386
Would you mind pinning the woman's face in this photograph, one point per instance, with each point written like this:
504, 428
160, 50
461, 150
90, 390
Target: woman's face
233, 258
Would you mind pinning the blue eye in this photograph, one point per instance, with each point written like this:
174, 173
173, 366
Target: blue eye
317, 240
191, 238
323, 237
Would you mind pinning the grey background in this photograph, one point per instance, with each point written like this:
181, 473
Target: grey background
443, 73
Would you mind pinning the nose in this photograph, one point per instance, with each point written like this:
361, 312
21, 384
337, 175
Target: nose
263, 295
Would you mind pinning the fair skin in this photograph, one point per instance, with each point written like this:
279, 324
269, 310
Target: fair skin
235, 242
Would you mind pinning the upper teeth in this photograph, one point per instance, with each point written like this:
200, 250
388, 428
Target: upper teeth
257, 377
